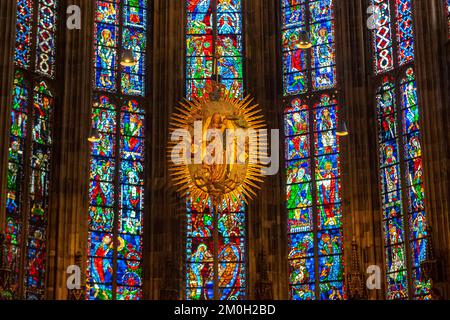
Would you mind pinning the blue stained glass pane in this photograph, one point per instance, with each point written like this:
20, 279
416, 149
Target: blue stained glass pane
132, 148
295, 83
106, 35
321, 10
301, 244
133, 84
132, 197
102, 169
130, 222
330, 242
134, 39
229, 23
101, 219
330, 268
132, 172
298, 171
100, 245
227, 5
129, 273
105, 147
332, 291
303, 292
130, 248
294, 61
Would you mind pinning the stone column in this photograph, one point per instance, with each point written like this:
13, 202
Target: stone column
362, 213
431, 65
266, 231
166, 212
69, 199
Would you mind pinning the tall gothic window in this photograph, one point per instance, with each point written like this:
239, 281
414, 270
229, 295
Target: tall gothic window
312, 159
400, 161
30, 146
215, 244
117, 159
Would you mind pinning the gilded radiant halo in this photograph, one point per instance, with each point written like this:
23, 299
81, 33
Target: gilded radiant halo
218, 157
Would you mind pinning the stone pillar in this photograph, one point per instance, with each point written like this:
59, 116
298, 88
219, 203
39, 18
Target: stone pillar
432, 73
362, 213
266, 216
164, 228
7, 40
69, 199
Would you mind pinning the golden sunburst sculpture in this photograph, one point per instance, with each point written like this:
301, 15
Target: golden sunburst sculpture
239, 128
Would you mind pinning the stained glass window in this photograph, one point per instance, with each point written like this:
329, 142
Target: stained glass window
214, 27
312, 69
36, 16
400, 161
216, 237
393, 39
116, 190
312, 159
120, 25
29, 160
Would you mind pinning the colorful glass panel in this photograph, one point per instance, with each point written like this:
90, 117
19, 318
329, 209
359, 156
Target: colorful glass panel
120, 25
401, 173
27, 206
115, 252
214, 27
306, 233
392, 35
315, 68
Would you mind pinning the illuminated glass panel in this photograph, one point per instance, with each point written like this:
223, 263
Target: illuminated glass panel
215, 243
214, 26
313, 200
30, 146
117, 160
393, 37
30, 137
312, 160
37, 16
403, 209
401, 172
312, 69
116, 195
120, 25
